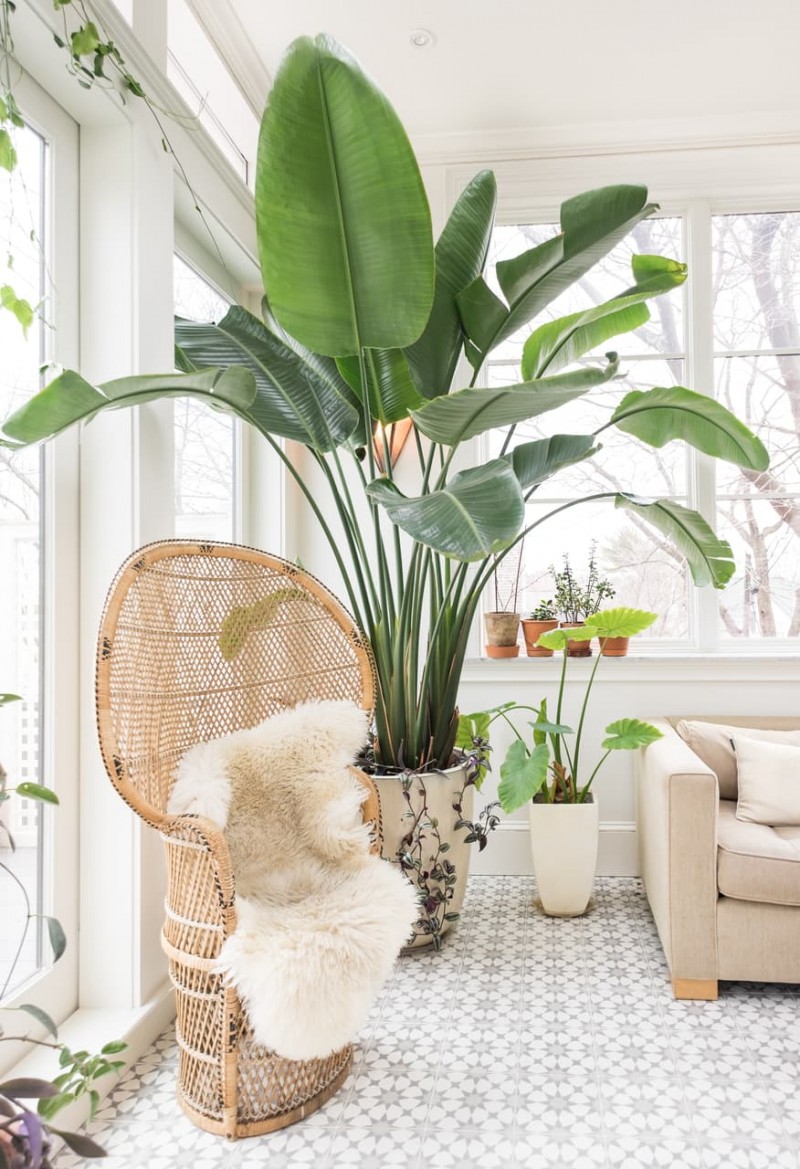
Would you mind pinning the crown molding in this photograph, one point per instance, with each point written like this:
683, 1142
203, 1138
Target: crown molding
228, 36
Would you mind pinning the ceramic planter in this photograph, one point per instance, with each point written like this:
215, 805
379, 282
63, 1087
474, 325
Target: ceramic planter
435, 791
564, 845
531, 632
614, 647
502, 633
577, 649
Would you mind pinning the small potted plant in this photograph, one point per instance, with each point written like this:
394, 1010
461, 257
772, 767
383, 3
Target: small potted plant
546, 773
542, 619
575, 601
502, 622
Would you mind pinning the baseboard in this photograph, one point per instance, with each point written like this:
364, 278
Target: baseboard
509, 850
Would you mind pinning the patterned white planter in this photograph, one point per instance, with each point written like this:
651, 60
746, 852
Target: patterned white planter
564, 845
435, 791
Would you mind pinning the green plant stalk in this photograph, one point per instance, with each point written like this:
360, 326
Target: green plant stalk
579, 731
585, 790
28, 916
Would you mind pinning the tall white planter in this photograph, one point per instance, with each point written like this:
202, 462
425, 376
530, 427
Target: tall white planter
431, 797
564, 845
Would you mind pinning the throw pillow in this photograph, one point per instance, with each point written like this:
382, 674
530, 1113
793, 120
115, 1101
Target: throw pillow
712, 743
769, 781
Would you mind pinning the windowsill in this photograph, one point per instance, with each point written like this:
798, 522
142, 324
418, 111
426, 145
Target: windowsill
695, 666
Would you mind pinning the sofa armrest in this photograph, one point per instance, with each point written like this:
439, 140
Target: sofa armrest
677, 805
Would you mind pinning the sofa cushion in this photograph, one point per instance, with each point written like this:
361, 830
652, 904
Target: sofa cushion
756, 862
711, 741
769, 781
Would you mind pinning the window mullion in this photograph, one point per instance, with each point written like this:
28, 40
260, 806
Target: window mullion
701, 469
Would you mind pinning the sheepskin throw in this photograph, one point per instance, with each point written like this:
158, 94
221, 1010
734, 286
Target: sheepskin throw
320, 919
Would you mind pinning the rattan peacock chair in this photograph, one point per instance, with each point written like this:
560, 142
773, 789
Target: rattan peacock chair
198, 640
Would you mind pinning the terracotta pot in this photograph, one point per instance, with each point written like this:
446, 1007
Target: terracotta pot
614, 647
577, 649
531, 632
437, 791
502, 629
564, 845
502, 651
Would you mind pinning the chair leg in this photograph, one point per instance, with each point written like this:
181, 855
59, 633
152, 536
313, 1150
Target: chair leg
695, 988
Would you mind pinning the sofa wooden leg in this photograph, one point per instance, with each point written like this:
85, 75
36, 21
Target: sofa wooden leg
695, 988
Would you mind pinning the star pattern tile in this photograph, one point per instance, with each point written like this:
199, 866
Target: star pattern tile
528, 1043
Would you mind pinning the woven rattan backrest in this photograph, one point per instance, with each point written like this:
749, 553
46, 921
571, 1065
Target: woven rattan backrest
199, 640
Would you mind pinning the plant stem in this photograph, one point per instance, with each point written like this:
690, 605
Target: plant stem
595, 667
28, 916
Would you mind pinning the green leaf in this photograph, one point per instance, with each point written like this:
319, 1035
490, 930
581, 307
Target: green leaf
35, 791
6, 698
478, 512
17, 306
626, 734
460, 257
543, 727
84, 41
392, 392
79, 1143
41, 1017
467, 413
660, 415
8, 155
522, 774
559, 638
343, 222
535, 462
58, 939
246, 619
620, 622
48, 1108
116, 1045
710, 559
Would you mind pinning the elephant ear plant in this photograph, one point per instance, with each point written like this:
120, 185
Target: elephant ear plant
366, 323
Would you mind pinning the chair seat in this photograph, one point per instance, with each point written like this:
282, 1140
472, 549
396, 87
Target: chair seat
756, 862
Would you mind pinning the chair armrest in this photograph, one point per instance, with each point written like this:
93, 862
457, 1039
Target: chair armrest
199, 905
371, 809
677, 805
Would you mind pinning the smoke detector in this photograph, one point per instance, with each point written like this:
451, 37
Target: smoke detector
422, 38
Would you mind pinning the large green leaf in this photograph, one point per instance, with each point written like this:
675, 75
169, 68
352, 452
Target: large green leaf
392, 392
620, 622
69, 399
710, 559
536, 461
299, 395
626, 734
479, 512
560, 638
522, 774
591, 225
660, 415
460, 256
561, 342
344, 228
466, 413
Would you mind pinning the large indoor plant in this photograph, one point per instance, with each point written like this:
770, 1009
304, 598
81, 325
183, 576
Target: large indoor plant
365, 323
544, 772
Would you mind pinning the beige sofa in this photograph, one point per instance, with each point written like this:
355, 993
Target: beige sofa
725, 894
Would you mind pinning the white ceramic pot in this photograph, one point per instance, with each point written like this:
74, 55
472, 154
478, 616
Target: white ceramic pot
564, 845
437, 791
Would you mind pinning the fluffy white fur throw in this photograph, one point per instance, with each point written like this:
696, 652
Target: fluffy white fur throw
321, 921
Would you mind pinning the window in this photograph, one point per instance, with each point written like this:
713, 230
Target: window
749, 328
205, 441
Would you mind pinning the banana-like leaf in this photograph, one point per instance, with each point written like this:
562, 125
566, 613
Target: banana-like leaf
559, 343
392, 392
620, 622
665, 413
536, 461
522, 774
299, 395
69, 399
560, 638
710, 559
626, 734
460, 256
591, 225
343, 222
466, 413
478, 512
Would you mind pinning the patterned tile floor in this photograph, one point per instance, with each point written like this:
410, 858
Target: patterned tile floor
530, 1042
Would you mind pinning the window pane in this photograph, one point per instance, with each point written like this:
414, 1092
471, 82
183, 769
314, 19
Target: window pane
204, 439
765, 393
21, 213
763, 598
757, 280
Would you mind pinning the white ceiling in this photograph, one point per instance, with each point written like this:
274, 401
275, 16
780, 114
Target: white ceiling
526, 64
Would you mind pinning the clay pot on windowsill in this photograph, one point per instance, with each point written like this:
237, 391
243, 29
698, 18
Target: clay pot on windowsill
502, 633
614, 647
531, 632
577, 649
